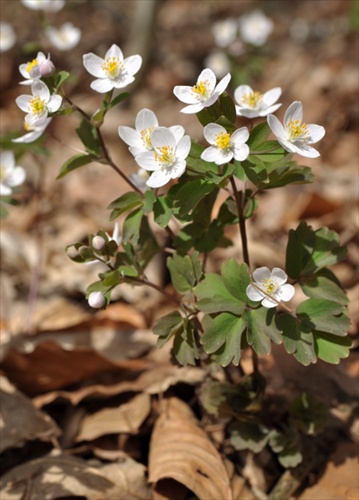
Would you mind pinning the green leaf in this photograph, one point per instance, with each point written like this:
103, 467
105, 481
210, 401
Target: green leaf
275, 153
258, 135
213, 296
117, 100
89, 137
222, 336
321, 287
182, 272
167, 326
255, 170
205, 117
289, 454
184, 346
75, 162
131, 227
149, 200
297, 339
248, 435
60, 78
190, 194
125, 203
236, 278
290, 173
262, 329
308, 414
162, 211
324, 315
228, 107
326, 251
331, 348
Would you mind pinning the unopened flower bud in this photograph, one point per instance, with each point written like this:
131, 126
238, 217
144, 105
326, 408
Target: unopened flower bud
96, 300
47, 67
72, 252
98, 242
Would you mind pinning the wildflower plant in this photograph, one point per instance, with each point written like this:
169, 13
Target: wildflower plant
216, 315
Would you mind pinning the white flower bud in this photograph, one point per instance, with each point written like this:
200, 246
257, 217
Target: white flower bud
98, 242
47, 67
96, 300
72, 252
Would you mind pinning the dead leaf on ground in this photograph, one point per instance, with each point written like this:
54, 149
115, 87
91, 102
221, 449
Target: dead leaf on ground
181, 450
127, 418
66, 476
17, 427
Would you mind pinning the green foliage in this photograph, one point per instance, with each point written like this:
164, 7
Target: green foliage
74, 163
89, 137
185, 271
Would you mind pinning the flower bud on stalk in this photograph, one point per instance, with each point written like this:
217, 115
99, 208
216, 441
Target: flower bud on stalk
96, 300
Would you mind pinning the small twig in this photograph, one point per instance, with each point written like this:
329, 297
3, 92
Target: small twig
242, 223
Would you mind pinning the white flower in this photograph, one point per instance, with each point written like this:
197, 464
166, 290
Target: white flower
7, 37
139, 139
255, 28
168, 159
225, 32
269, 284
33, 131
218, 62
64, 38
39, 105
112, 72
140, 178
35, 69
295, 136
96, 300
203, 94
252, 103
45, 5
225, 146
10, 174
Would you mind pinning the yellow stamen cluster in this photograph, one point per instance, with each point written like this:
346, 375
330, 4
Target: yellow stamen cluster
270, 286
28, 127
252, 100
297, 131
31, 65
165, 156
146, 137
223, 140
201, 89
113, 66
37, 105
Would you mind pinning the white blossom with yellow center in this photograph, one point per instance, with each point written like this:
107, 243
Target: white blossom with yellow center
113, 71
39, 104
64, 38
268, 285
33, 70
294, 135
167, 160
203, 94
10, 174
139, 138
33, 131
251, 103
225, 146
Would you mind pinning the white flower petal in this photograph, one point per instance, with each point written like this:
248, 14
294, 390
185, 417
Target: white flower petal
122, 81
305, 150
241, 91
40, 89
271, 109
270, 97
268, 303
145, 119
7, 160
286, 292
162, 137
114, 51
261, 273
294, 112
185, 94
130, 136
177, 169
132, 64
159, 178
287, 145
223, 84
316, 132
177, 131
23, 101
4, 190
240, 135
211, 130
276, 127
241, 152
147, 161
253, 293
208, 76
102, 85
93, 65
54, 103
279, 275
16, 177
193, 108
183, 147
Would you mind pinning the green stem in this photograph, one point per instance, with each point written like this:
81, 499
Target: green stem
242, 222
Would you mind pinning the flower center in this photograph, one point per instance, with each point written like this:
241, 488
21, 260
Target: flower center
112, 66
165, 156
252, 100
201, 89
223, 140
297, 131
31, 65
37, 105
146, 137
270, 287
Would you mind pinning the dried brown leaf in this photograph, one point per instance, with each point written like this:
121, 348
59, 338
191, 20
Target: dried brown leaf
127, 418
20, 421
181, 450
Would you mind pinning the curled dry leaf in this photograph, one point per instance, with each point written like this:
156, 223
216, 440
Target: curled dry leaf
17, 427
127, 418
181, 450
66, 476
